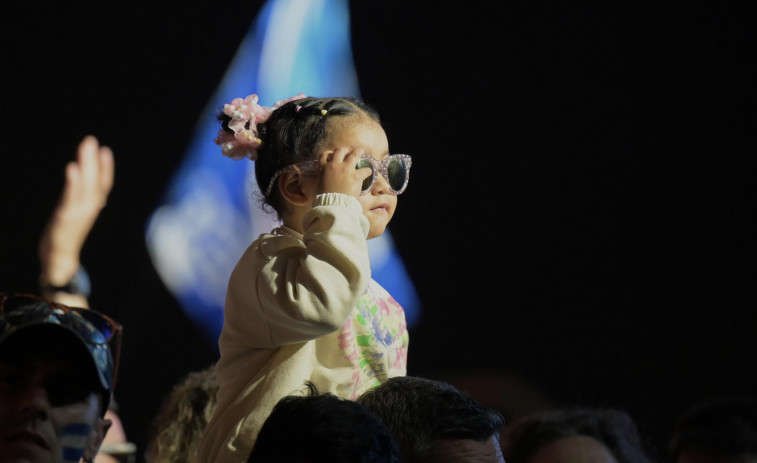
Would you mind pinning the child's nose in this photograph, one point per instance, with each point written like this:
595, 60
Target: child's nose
381, 185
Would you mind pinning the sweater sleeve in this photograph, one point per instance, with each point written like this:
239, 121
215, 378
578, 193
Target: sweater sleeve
286, 290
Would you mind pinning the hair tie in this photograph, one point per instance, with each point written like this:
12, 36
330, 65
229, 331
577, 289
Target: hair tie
297, 108
323, 112
245, 115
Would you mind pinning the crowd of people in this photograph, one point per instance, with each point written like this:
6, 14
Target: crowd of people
313, 351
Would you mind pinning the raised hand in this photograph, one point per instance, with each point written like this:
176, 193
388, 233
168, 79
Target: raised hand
338, 173
89, 180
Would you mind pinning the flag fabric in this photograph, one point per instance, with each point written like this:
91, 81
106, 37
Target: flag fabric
209, 215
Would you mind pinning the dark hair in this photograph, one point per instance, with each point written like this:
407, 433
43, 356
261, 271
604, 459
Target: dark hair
720, 427
614, 428
420, 411
294, 132
182, 418
322, 428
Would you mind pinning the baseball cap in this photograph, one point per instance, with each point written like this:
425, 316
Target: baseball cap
26, 316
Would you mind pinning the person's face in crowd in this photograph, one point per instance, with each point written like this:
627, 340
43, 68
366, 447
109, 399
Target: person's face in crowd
48, 413
583, 449
467, 451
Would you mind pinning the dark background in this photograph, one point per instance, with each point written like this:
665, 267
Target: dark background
579, 221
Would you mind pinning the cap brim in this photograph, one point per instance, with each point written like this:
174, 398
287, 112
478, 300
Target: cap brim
43, 335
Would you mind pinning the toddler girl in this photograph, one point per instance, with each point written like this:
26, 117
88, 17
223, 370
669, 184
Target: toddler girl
301, 305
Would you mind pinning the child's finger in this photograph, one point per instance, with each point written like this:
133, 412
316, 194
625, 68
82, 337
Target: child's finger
340, 154
325, 157
353, 157
364, 173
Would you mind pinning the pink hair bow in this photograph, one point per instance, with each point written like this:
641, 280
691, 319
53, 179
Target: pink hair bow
245, 141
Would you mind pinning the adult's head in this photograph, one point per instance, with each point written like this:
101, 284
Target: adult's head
723, 429
432, 421
574, 434
182, 418
322, 429
56, 378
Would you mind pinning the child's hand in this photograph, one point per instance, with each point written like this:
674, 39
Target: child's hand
338, 174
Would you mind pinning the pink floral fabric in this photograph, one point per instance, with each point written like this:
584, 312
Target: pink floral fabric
375, 339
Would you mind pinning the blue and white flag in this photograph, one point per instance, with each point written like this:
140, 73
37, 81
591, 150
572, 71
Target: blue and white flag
208, 216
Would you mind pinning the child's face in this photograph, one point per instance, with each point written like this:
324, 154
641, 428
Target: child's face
379, 203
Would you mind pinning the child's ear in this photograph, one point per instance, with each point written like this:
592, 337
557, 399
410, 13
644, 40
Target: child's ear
292, 190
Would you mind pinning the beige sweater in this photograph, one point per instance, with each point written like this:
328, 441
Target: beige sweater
302, 308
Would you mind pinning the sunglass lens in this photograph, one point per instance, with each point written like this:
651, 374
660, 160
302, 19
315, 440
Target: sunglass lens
397, 173
368, 182
91, 326
19, 310
102, 326
74, 320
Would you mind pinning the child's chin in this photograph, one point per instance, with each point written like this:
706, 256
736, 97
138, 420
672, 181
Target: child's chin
376, 231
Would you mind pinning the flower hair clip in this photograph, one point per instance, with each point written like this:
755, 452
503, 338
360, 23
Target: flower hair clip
245, 115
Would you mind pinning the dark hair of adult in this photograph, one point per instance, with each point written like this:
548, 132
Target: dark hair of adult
420, 411
523, 438
717, 428
294, 132
322, 428
182, 418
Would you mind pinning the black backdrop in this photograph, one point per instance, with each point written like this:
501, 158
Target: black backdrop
578, 225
